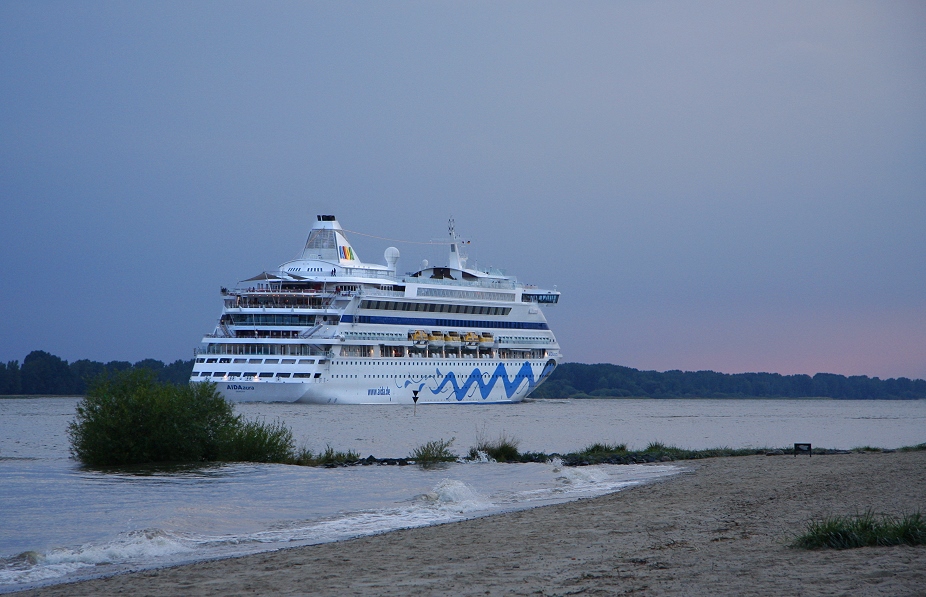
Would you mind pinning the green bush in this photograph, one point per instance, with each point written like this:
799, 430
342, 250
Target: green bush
433, 452
864, 530
253, 441
129, 418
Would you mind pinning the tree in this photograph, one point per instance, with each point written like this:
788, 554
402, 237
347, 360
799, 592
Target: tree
10, 378
44, 373
83, 371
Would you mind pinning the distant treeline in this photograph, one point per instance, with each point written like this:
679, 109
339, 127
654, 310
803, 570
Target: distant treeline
45, 374
577, 380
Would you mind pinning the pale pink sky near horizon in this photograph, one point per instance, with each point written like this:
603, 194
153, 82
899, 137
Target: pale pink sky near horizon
719, 185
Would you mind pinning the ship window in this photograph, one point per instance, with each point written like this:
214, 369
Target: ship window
218, 374
282, 374
211, 361
255, 361
235, 374
271, 361
302, 375
266, 374
321, 239
288, 361
250, 374
205, 374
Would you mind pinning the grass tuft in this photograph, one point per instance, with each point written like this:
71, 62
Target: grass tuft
863, 530
433, 452
866, 449
330, 457
503, 449
606, 449
654, 452
657, 447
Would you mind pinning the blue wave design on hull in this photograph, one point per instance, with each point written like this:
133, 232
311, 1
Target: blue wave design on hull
474, 381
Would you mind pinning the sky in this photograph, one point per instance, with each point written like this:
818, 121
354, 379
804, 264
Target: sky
733, 186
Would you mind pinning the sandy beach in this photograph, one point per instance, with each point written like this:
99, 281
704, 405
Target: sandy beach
721, 527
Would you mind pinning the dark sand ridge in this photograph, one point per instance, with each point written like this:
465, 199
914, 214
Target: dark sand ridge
720, 528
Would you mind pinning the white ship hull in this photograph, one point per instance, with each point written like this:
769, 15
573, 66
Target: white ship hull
448, 381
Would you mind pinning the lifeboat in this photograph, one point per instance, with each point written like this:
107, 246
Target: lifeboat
471, 339
419, 337
436, 338
487, 338
453, 339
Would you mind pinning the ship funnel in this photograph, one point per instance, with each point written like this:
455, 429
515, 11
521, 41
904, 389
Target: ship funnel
327, 242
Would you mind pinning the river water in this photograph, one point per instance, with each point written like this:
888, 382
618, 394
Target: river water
61, 522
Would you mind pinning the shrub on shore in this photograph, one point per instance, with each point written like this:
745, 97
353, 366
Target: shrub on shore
864, 530
433, 452
606, 449
330, 457
129, 418
253, 441
503, 449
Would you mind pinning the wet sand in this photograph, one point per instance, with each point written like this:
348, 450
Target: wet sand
722, 527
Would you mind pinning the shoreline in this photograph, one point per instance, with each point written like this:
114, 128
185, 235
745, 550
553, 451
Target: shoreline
722, 526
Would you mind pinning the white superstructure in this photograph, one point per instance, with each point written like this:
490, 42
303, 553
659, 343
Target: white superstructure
327, 328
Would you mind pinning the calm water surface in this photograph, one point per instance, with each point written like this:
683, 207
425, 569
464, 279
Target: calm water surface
59, 521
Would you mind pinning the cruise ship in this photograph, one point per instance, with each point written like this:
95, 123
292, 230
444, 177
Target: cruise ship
327, 328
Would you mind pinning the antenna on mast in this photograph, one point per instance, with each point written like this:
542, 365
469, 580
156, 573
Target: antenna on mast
457, 259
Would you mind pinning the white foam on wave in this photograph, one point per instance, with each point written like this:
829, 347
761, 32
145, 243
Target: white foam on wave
584, 475
130, 546
567, 483
457, 496
139, 546
448, 500
481, 457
